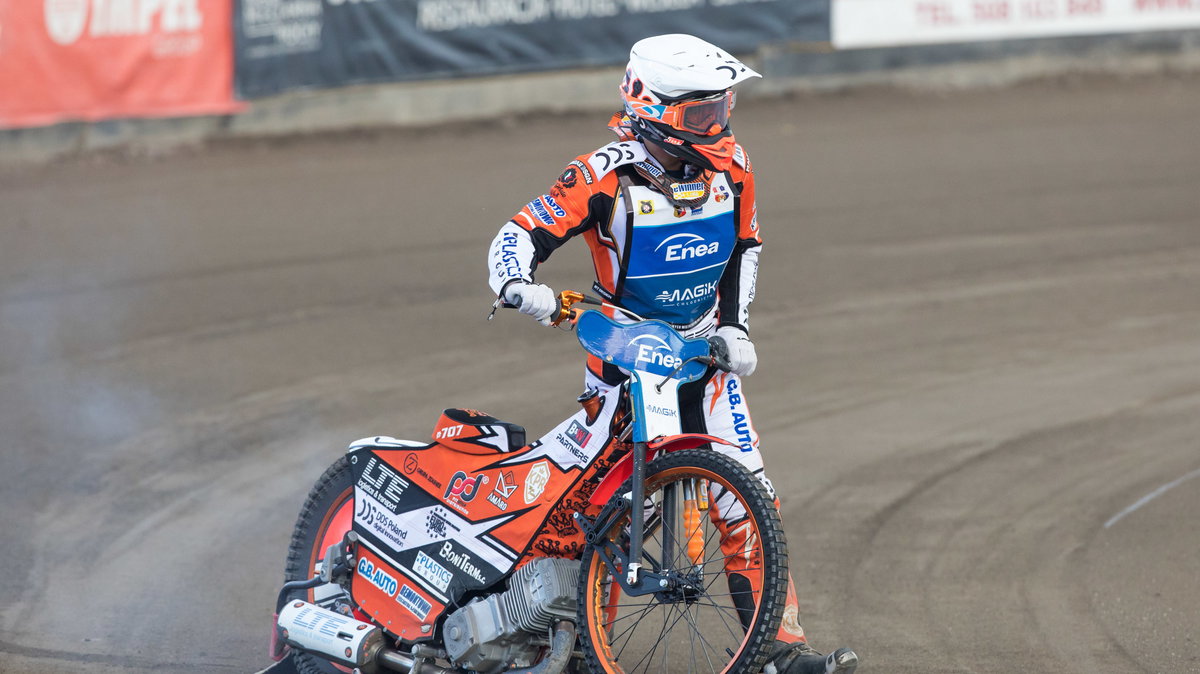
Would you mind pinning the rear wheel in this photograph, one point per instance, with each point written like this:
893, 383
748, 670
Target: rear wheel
326, 516
721, 607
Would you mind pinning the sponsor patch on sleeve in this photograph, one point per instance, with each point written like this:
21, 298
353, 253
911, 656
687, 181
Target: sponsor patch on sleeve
582, 170
545, 209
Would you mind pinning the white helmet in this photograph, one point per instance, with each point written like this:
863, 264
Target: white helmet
677, 96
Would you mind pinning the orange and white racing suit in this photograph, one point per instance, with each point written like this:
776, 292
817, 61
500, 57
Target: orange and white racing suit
693, 267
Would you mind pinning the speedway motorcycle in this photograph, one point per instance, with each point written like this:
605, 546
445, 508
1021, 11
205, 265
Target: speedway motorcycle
593, 548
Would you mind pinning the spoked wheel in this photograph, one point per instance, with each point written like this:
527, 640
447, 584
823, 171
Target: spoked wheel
327, 515
715, 537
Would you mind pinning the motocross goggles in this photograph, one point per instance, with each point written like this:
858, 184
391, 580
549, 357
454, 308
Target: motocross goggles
703, 116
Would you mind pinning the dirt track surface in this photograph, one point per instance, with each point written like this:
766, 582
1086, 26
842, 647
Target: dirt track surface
978, 323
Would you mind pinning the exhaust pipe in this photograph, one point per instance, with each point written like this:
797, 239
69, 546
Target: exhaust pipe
561, 648
331, 635
343, 640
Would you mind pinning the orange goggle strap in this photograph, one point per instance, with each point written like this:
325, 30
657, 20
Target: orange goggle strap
620, 125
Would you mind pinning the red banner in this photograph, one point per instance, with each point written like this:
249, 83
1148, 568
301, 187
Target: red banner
66, 60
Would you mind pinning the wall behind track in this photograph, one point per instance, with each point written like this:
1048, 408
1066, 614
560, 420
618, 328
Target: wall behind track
789, 69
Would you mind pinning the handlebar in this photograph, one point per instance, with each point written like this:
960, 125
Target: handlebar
566, 302
565, 311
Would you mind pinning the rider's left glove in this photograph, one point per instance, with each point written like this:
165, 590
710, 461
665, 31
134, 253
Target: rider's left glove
741, 350
534, 299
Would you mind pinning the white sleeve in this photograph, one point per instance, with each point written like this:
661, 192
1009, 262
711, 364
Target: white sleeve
510, 258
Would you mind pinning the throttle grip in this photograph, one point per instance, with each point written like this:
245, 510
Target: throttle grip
718, 350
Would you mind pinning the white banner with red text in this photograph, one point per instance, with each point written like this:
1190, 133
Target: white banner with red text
882, 23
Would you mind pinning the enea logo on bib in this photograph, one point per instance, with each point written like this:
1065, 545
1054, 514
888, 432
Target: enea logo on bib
680, 247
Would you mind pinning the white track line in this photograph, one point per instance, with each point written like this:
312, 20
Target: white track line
1150, 497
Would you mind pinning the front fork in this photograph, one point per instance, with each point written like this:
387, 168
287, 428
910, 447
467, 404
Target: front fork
637, 522
636, 581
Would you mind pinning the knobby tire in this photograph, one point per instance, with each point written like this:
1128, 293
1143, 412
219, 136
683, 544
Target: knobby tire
699, 628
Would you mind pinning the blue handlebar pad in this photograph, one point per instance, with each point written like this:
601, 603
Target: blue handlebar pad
649, 346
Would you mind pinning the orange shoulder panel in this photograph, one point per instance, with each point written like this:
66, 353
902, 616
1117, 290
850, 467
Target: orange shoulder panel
742, 173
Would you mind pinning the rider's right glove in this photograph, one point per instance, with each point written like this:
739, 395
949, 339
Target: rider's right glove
535, 299
742, 358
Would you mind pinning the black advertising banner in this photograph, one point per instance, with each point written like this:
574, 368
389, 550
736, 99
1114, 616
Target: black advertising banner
288, 44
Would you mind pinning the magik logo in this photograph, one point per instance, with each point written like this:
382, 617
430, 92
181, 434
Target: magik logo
677, 295
686, 246
654, 350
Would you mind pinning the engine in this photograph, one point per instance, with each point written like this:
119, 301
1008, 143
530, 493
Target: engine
495, 632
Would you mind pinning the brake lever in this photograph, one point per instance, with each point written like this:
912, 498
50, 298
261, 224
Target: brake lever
562, 306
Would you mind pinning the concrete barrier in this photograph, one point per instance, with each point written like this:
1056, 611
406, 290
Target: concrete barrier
787, 69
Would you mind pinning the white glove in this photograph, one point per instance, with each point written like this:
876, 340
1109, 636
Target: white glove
742, 358
534, 299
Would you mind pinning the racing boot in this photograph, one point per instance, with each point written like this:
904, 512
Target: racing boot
800, 658
743, 570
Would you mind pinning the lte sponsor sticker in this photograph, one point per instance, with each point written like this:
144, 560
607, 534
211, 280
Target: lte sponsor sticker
385, 484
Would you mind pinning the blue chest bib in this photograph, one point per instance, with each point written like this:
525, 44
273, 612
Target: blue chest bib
675, 257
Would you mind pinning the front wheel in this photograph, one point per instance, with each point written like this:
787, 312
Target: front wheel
714, 537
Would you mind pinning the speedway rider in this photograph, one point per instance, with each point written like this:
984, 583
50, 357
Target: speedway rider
669, 214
